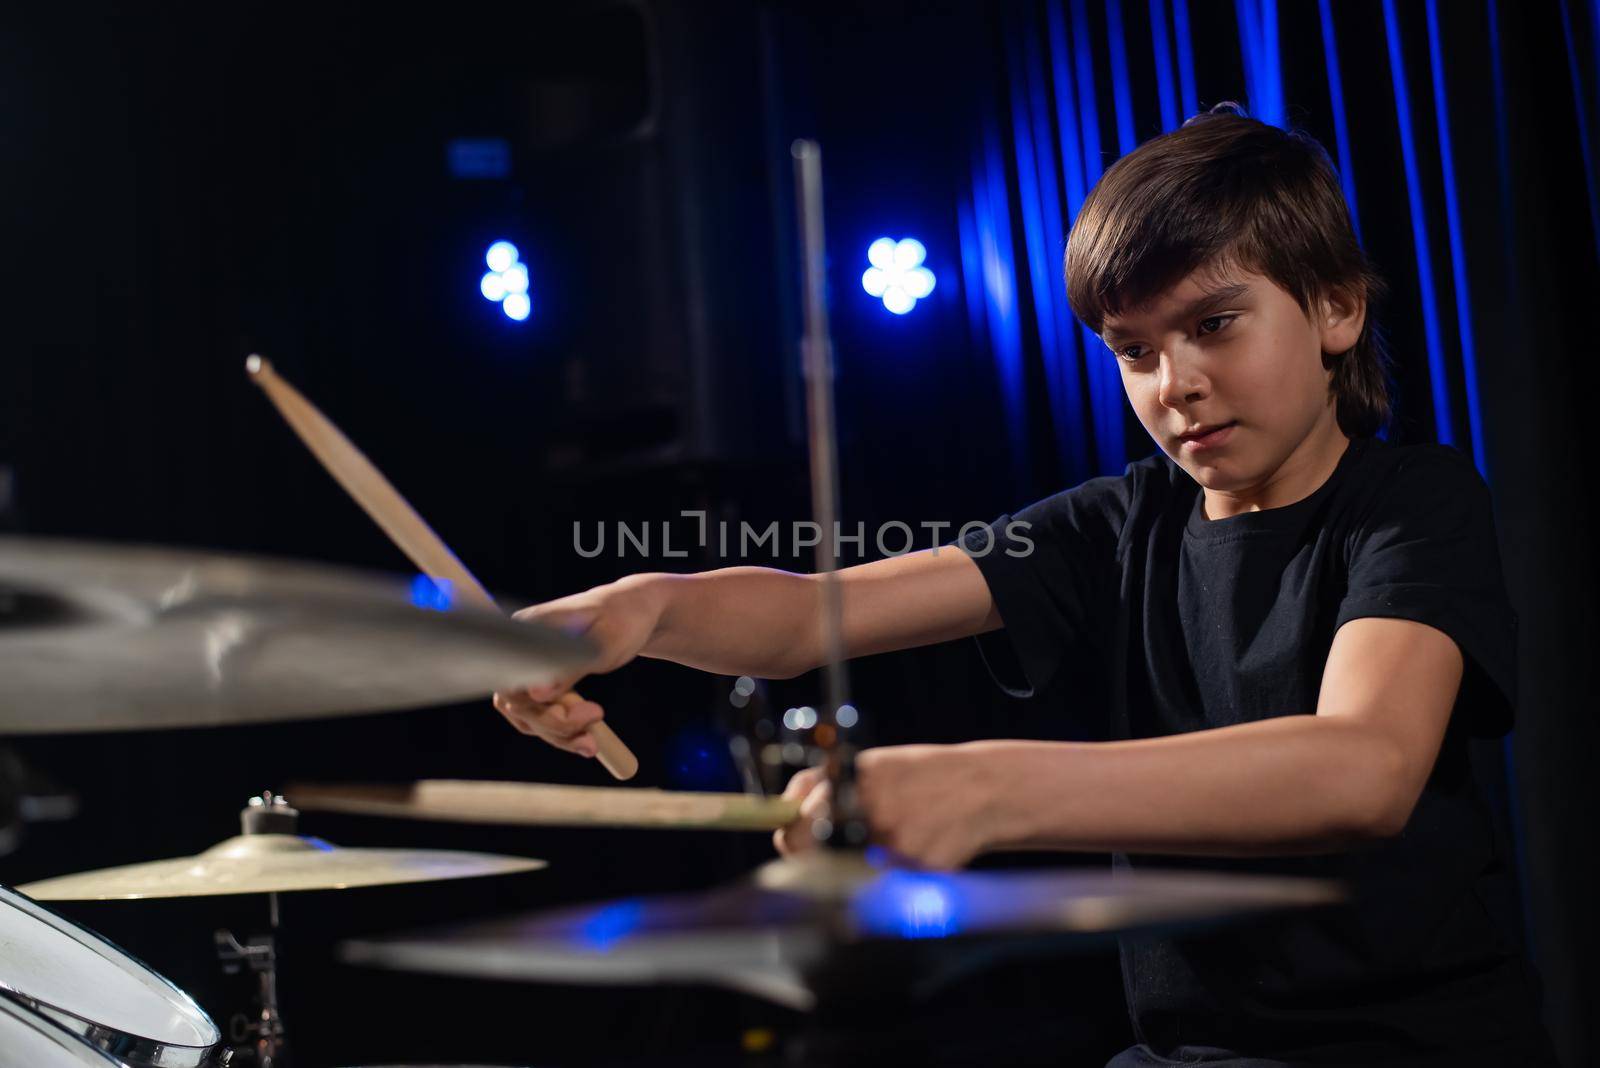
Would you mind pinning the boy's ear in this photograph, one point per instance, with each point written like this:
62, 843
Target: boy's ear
1343, 312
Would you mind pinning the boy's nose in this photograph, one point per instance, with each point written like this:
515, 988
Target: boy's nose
1180, 382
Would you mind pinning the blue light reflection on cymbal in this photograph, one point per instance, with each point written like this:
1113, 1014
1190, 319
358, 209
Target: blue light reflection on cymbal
908, 904
434, 594
608, 925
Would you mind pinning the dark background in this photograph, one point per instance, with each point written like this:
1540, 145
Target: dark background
183, 190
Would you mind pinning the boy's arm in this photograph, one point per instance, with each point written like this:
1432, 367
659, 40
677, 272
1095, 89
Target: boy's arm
767, 623
747, 621
1291, 784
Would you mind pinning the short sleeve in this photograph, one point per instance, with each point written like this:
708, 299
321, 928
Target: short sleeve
1427, 552
1050, 569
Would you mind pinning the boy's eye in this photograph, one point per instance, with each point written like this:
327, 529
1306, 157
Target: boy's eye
1211, 324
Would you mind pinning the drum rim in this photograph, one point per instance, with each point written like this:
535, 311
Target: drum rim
115, 1043
29, 1017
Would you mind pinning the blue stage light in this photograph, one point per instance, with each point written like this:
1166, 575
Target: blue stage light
507, 281
501, 254
515, 278
908, 253
517, 306
897, 300
897, 276
881, 253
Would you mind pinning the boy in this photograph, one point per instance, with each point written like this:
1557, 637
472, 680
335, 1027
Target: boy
1304, 626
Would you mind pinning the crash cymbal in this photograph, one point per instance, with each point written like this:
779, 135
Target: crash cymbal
543, 804
766, 934
273, 864
101, 637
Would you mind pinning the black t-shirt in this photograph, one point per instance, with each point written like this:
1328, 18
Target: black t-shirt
1205, 623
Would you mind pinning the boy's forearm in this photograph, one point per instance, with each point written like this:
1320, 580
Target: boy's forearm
1292, 784
768, 623
754, 621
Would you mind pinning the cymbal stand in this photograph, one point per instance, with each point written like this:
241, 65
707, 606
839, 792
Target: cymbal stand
264, 1037
846, 827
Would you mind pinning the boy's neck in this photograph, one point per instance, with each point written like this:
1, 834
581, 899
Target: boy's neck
1298, 477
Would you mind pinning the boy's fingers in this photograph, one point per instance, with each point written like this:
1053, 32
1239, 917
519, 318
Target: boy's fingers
810, 786
815, 804
585, 714
795, 838
803, 782
575, 722
551, 690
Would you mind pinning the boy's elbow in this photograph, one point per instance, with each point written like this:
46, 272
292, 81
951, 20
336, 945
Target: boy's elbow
1386, 801
1389, 822
788, 668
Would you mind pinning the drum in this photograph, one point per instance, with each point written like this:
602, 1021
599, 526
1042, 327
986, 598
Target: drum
28, 1040
96, 993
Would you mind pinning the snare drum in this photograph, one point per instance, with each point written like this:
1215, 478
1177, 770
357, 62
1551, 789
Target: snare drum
28, 1040
97, 993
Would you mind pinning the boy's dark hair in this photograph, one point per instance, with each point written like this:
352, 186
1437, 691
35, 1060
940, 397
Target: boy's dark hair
1228, 190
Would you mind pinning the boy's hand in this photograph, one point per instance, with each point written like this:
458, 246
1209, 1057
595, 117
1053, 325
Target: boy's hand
618, 619
930, 805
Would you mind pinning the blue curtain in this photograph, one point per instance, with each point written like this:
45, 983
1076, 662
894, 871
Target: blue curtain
1465, 134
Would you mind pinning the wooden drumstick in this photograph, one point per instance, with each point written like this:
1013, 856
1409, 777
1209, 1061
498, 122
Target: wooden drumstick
545, 805
380, 500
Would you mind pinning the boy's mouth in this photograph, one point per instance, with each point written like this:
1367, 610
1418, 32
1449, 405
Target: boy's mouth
1207, 435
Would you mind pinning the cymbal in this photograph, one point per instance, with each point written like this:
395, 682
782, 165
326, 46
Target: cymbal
544, 804
273, 864
103, 637
765, 934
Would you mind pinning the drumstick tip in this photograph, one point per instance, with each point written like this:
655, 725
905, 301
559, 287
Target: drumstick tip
254, 365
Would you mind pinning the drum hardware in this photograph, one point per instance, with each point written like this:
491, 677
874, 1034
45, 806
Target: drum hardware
767, 747
26, 796
845, 825
10, 517
367, 486
263, 1036
745, 716
108, 637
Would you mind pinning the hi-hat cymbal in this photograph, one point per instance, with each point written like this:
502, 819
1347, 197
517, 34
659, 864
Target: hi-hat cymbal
100, 637
548, 805
273, 864
766, 935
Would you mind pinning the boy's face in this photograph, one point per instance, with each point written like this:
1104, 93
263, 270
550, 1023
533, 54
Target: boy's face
1230, 348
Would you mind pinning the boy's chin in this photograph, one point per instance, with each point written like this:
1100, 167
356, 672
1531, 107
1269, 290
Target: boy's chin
1218, 473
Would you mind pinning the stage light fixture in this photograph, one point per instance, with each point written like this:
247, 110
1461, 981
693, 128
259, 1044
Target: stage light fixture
507, 281
897, 275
